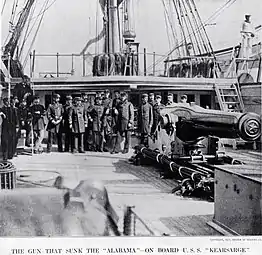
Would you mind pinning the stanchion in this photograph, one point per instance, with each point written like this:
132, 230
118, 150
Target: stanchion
128, 221
32, 138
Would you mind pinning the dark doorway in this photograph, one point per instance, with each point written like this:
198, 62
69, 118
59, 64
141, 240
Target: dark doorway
48, 100
205, 101
134, 98
190, 98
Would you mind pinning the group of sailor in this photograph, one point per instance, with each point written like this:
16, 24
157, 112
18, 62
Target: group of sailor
80, 124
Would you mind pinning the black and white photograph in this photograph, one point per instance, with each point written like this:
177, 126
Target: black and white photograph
137, 118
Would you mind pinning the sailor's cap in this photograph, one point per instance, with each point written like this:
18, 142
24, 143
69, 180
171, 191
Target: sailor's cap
68, 97
77, 99
56, 96
170, 95
151, 94
144, 95
158, 96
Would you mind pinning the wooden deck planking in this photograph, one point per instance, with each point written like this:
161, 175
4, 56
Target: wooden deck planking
127, 184
190, 225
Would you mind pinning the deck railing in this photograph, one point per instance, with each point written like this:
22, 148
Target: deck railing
65, 65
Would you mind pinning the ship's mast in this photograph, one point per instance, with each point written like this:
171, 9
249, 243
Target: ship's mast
115, 59
114, 46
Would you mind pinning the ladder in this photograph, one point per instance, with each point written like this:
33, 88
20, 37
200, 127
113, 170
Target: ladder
131, 65
229, 97
128, 64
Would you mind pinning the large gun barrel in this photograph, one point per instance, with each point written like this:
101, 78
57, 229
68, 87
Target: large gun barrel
194, 121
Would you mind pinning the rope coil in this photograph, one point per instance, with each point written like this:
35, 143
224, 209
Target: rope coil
7, 175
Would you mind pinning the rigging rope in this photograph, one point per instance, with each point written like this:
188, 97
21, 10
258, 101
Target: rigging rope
198, 43
168, 37
11, 21
37, 30
167, 17
211, 18
3, 7
44, 10
184, 15
26, 32
180, 22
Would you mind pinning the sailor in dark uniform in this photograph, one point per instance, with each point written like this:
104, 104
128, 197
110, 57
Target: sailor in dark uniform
114, 126
125, 121
66, 127
97, 115
23, 120
14, 104
23, 90
158, 106
36, 115
107, 103
10, 126
54, 127
151, 99
145, 119
78, 123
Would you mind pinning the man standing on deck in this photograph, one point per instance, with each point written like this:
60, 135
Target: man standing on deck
78, 123
125, 121
14, 103
66, 127
10, 127
115, 127
151, 99
23, 90
145, 119
54, 127
247, 33
97, 115
107, 103
37, 113
23, 120
158, 106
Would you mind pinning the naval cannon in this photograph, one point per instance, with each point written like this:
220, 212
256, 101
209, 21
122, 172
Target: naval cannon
187, 145
193, 121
